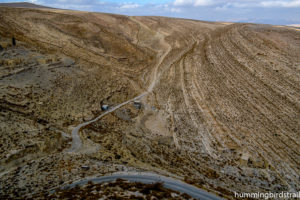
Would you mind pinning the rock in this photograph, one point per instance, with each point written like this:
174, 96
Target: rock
252, 161
104, 107
9, 62
44, 60
68, 61
4, 45
244, 159
85, 167
174, 195
137, 104
165, 141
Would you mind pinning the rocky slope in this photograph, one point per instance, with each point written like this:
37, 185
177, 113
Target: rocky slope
222, 110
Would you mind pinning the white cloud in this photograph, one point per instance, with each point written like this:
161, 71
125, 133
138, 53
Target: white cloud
72, 6
294, 3
129, 6
223, 4
258, 11
193, 2
175, 10
221, 8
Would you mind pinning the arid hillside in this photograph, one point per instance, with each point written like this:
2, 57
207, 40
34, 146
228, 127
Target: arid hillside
22, 5
218, 104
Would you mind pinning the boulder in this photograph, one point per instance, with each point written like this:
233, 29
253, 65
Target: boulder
253, 161
104, 107
5, 45
137, 104
84, 167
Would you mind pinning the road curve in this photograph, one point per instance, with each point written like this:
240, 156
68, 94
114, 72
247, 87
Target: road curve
149, 178
76, 140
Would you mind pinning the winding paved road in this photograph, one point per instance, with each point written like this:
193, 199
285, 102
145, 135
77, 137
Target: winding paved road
149, 178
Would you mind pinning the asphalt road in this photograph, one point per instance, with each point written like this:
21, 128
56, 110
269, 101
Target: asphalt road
148, 178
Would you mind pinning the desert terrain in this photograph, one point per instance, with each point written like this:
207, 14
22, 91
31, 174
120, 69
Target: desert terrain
216, 105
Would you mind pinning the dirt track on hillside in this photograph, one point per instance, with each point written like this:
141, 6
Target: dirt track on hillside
222, 110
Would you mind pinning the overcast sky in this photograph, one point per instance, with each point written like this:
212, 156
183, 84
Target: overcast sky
264, 11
